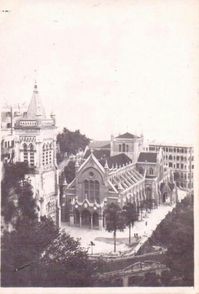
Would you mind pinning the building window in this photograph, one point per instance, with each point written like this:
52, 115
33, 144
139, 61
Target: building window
178, 157
47, 154
192, 166
170, 157
182, 165
25, 152
92, 190
43, 154
182, 158
177, 165
123, 147
32, 159
127, 148
120, 148
151, 171
170, 164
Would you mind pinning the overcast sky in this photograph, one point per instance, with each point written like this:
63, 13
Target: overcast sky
105, 66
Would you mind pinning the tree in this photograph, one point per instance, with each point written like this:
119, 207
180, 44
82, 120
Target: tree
71, 142
17, 195
69, 171
114, 220
22, 249
37, 254
130, 216
175, 233
65, 263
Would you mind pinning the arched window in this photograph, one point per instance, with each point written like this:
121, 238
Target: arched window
32, 159
123, 147
47, 156
50, 153
92, 190
25, 152
44, 154
97, 192
86, 189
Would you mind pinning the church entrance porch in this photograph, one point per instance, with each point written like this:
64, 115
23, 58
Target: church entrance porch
76, 217
86, 218
95, 220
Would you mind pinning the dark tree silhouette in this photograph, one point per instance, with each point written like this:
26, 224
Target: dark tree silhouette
130, 216
69, 171
16, 193
115, 220
71, 142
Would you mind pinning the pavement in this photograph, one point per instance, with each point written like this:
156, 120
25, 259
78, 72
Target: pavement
143, 228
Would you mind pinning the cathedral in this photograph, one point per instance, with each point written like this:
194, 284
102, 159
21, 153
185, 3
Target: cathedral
119, 172
35, 143
122, 172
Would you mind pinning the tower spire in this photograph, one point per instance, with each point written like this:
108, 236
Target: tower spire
35, 108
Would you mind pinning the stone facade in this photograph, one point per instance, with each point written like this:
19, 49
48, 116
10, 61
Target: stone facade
127, 143
97, 183
180, 159
35, 143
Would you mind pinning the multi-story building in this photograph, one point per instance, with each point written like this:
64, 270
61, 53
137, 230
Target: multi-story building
9, 115
34, 142
180, 159
127, 143
102, 178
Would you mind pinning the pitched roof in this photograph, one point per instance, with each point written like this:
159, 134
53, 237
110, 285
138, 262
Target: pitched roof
91, 158
35, 108
127, 136
147, 157
99, 154
125, 179
119, 160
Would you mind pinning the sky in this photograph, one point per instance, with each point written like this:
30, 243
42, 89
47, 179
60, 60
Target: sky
106, 67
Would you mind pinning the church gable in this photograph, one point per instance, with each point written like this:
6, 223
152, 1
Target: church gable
91, 162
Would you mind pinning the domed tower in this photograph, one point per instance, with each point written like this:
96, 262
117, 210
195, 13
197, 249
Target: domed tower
35, 141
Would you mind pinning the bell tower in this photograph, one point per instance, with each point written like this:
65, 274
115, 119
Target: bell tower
35, 141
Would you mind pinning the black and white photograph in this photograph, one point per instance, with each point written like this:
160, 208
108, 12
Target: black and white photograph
99, 145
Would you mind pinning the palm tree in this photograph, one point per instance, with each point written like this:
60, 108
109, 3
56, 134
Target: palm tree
114, 220
130, 214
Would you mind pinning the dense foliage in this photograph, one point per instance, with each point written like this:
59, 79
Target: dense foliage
176, 234
70, 142
36, 253
69, 171
16, 194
